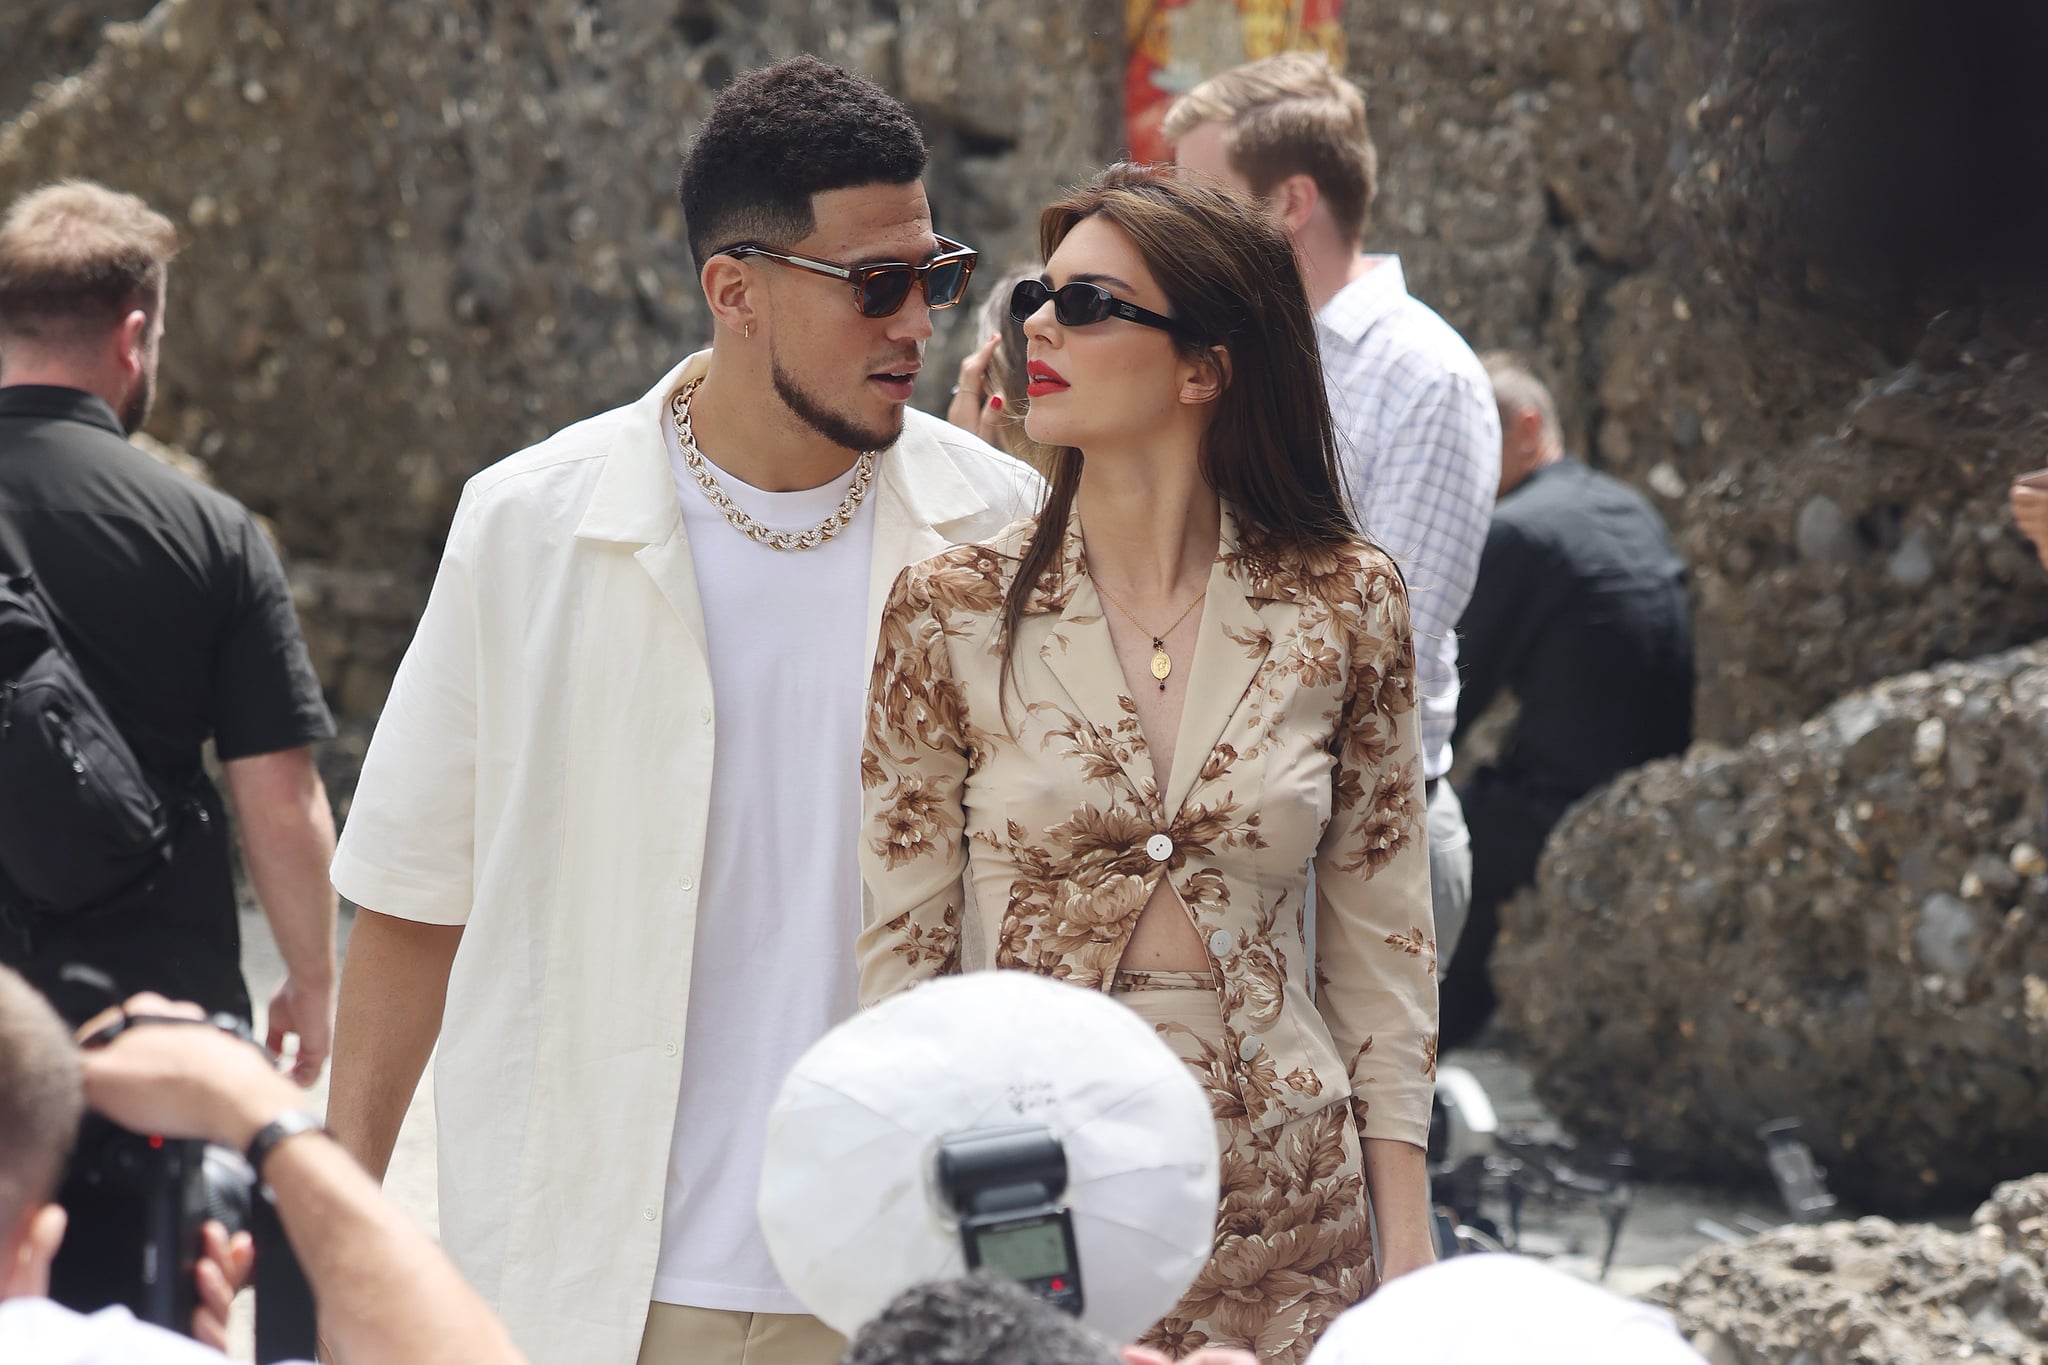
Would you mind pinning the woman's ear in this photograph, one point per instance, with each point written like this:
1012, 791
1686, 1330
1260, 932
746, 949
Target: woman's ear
1206, 376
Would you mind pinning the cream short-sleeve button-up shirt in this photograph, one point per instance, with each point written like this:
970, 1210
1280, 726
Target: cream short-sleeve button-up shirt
540, 776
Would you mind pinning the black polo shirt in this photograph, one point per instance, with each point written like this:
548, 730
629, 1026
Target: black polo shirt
1580, 610
177, 611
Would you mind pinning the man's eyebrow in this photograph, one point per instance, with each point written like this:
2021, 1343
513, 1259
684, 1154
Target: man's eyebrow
885, 258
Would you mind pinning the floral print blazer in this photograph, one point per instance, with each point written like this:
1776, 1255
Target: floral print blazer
1031, 838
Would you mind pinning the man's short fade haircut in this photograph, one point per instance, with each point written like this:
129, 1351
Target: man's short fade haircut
41, 1098
1293, 114
780, 134
980, 1320
75, 258
1516, 389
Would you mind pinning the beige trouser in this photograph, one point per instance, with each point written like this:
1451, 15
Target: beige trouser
713, 1336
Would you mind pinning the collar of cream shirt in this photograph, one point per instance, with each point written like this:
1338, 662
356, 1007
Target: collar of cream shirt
919, 492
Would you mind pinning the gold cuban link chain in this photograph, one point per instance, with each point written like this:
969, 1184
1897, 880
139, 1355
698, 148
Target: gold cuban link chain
700, 469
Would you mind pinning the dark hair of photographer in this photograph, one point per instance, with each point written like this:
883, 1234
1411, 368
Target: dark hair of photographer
980, 1320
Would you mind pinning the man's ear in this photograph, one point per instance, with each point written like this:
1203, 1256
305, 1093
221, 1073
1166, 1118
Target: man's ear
131, 342
730, 294
1295, 200
26, 1272
1206, 376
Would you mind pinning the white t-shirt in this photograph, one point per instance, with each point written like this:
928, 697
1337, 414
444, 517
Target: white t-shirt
780, 903
43, 1332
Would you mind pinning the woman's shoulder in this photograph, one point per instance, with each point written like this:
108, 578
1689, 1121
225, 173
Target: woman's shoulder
1347, 573
970, 577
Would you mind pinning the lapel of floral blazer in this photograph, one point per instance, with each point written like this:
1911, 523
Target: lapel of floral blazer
1230, 646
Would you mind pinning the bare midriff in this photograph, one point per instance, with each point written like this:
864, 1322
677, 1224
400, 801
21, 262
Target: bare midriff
1165, 938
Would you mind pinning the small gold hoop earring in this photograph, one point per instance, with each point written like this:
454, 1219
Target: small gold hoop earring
748, 334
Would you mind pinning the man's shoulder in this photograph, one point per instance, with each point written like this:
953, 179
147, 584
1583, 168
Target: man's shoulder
1406, 346
1418, 340
1011, 488
1570, 492
37, 1331
123, 477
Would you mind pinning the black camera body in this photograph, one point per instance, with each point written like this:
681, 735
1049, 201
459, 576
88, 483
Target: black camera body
1005, 1185
137, 1203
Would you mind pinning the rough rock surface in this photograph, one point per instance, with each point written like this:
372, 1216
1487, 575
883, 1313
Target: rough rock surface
1689, 214
1774, 254
421, 236
1840, 923
44, 41
1873, 1292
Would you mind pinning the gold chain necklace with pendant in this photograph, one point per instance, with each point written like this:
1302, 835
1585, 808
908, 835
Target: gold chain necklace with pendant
700, 470
1162, 662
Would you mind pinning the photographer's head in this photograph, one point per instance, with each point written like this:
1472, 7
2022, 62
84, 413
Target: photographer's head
981, 1320
41, 1099
802, 179
82, 272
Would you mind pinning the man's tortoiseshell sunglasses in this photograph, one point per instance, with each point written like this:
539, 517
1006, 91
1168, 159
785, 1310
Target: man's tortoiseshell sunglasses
880, 289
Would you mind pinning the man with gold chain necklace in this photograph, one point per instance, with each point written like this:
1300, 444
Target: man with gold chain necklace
610, 810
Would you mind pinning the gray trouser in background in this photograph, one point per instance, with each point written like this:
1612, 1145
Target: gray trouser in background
1450, 870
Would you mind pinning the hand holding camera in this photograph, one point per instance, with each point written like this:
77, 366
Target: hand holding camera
199, 1082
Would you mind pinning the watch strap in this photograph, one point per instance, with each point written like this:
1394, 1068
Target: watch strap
289, 1124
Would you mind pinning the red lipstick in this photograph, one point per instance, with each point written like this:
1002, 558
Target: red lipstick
1044, 379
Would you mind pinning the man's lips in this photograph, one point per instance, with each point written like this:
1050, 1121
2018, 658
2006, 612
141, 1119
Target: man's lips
1043, 379
897, 383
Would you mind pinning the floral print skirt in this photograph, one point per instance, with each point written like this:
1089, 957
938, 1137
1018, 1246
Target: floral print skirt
1293, 1238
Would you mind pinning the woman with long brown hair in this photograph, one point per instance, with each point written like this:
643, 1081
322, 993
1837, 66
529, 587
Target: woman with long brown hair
1113, 744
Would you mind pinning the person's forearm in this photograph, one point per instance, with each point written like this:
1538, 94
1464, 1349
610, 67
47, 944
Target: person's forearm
386, 1292
1397, 1183
287, 835
393, 988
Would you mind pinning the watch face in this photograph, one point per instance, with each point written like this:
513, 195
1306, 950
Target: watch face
1031, 1251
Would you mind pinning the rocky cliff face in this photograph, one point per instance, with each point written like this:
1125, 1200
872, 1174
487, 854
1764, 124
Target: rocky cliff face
421, 236
1767, 254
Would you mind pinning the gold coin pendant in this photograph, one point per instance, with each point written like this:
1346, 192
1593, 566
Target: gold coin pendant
1161, 664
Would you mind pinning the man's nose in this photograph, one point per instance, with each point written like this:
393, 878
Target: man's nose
913, 321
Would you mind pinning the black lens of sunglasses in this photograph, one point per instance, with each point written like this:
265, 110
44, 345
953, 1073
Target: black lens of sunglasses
1075, 304
943, 281
883, 292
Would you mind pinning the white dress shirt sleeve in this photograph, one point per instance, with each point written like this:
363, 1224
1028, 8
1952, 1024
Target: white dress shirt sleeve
1427, 499
409, 846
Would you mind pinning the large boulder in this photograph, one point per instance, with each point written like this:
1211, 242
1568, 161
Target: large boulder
421, 236
1873, 1292
1840, 923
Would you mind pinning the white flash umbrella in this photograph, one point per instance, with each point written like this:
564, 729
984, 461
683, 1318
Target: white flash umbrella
849, 1204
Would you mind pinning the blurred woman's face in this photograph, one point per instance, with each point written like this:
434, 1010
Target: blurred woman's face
1108, 384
